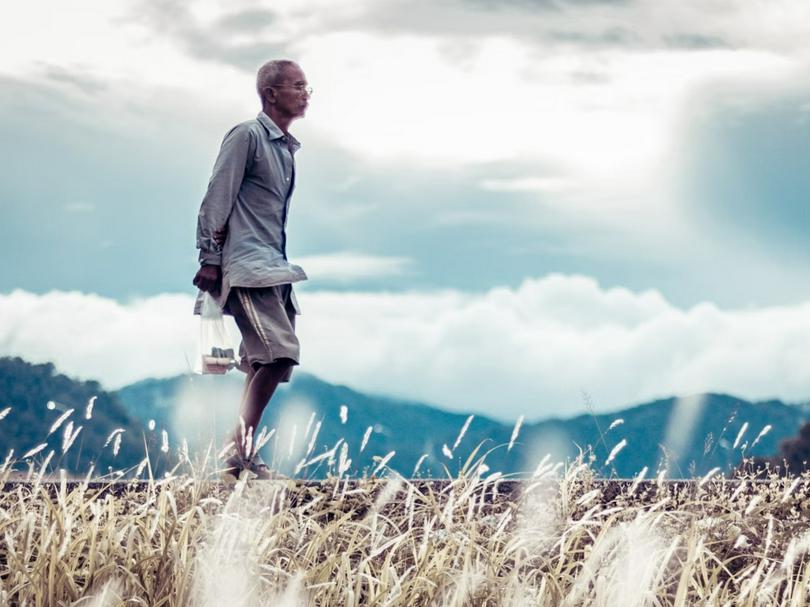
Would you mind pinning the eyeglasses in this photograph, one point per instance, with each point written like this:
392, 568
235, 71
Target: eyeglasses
301, 88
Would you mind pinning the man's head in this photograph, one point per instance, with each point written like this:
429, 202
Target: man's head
283, 88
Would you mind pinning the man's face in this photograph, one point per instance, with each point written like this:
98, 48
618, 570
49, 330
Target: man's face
290, 92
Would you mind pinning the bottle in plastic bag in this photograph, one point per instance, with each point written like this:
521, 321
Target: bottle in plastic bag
217, 355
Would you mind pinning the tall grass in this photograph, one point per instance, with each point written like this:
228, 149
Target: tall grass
562, 537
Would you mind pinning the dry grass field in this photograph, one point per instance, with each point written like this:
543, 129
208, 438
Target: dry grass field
562, 537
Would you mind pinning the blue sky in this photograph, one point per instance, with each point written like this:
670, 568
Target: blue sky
476, 159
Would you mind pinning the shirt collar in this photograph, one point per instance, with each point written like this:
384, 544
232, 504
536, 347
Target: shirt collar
275, 132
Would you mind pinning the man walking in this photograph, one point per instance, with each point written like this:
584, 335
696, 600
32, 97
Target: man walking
241, 234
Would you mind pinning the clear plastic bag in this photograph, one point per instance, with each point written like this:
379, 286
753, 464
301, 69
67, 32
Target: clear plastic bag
216, 349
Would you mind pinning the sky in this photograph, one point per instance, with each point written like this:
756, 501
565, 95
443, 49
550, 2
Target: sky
516, 207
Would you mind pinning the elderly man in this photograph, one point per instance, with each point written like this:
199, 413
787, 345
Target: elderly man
241, 234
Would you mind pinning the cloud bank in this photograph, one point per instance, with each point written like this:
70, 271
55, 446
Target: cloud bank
532, 350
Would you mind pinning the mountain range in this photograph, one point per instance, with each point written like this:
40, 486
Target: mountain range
687, 436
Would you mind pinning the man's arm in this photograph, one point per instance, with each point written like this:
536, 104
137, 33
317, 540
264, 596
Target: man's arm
229, 170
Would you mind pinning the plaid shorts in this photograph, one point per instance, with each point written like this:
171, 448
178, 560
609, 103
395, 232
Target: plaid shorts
266, 319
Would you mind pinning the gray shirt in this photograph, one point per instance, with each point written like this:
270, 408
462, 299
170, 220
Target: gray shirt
249, 196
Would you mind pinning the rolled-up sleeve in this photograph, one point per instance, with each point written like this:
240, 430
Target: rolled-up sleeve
237, 150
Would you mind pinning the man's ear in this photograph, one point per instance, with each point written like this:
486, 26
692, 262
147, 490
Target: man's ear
268, 94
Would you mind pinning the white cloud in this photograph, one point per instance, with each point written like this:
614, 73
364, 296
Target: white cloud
510, 103
552, 185
93, 337
530, 350
395, 83
347, 266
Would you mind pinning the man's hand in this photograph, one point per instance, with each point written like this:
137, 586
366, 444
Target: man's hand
208, 278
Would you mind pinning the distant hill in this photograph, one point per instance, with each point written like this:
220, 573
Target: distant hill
688, 436
654, 432
27, 388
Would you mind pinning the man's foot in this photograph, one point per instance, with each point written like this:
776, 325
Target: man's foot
262, 471
233, 467
235, 464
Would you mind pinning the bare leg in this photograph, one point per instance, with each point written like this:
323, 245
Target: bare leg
248, 378
259, 388
236, 434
